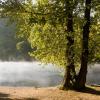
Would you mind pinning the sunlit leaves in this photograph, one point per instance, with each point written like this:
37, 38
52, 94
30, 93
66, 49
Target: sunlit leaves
43, 24
50, 43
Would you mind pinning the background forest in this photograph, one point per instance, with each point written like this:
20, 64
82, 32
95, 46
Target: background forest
8, 43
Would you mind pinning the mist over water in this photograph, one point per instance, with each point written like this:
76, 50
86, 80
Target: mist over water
29, 74
93, 76
38, 75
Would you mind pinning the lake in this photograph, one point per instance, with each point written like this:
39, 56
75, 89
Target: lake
38, 75
29, 74
93, 76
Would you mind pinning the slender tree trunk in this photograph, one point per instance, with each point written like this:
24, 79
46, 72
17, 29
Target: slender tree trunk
70, 69
81, 79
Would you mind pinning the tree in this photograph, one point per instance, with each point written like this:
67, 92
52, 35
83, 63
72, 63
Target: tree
22, 46
54, 28
70, 68
44, 20
81, 79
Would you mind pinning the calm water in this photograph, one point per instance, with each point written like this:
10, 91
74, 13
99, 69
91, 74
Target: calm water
29, 74
35, 74
93, 76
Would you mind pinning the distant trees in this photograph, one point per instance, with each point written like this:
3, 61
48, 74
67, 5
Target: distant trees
8, 43
60, 32
7, 40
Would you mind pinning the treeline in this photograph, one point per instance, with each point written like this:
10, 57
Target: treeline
9, 42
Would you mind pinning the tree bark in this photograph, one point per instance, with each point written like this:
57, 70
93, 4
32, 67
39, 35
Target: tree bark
70, 68
81, 79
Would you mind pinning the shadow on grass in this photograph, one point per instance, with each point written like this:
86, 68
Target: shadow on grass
90, 90
18, 99
4, 96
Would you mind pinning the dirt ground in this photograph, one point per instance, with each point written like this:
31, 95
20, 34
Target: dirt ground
50, 93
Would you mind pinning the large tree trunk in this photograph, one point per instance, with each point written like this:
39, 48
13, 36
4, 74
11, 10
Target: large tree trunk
81, 79
70, 68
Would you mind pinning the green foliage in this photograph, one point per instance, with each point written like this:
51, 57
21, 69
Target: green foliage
42, 26
94, 45
50, 43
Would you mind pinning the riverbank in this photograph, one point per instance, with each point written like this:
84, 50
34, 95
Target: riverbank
50, 93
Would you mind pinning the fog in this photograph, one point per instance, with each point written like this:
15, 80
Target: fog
29, 74
38, 75
93, 76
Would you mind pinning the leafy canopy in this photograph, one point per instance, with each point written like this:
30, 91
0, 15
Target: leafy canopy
43, 26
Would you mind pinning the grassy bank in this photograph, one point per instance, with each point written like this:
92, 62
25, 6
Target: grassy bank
50, 93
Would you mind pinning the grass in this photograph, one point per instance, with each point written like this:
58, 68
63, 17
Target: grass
50, 93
